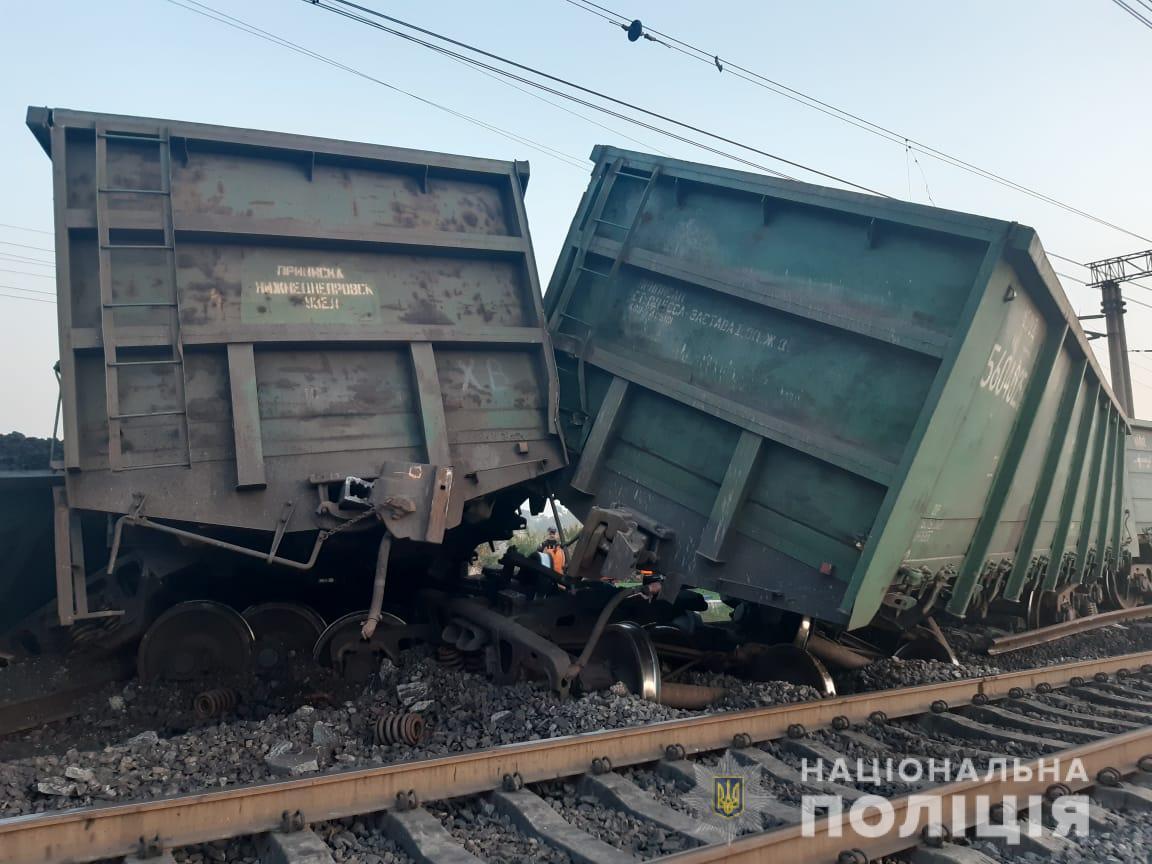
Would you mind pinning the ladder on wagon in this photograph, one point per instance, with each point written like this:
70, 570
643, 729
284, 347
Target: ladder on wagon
617, 171
144, 373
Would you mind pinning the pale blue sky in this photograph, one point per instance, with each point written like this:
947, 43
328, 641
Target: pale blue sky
1050, 93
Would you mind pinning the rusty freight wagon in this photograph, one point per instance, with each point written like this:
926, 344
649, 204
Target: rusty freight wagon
270, 344
830, 405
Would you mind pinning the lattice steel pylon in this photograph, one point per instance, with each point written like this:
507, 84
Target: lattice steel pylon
1107, 275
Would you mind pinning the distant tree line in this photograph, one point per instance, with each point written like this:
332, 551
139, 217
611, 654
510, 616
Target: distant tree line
23, 453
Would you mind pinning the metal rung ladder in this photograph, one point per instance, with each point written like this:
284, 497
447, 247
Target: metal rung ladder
629, 229
109, 305
596, 217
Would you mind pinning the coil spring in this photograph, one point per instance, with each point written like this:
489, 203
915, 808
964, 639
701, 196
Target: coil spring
399, 729
449, 657
214, 703
92, 631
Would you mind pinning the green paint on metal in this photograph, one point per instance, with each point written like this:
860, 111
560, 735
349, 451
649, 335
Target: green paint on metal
908, 509
903, 366
990, 515
1118, 495
731, 496
1095, 475
1074, 493
1056, 448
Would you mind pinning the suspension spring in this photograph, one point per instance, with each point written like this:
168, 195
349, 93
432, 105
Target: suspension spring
399, 729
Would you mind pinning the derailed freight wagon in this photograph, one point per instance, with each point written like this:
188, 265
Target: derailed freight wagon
831, 405
1139, 487
270, 344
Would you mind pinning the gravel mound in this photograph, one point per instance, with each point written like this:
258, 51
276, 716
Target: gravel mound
463, 712
752, 694
1106, 642
118, 711
892, 673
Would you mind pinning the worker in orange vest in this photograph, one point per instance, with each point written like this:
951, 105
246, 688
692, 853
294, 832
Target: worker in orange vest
555, 552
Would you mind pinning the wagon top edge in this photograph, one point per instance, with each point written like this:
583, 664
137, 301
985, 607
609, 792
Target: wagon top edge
1022, 245
42, 120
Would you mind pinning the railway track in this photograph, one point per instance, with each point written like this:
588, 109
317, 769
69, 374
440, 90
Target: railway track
1098, 712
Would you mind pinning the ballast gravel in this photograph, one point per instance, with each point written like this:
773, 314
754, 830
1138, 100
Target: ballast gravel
489, 835
350, 841
463, 712
1110, 641
131, 742
892, 673
239, 851
354, 841
614, 827
1125, 843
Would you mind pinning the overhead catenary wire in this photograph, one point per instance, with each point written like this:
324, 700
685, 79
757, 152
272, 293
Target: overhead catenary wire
24, 260
28, 290
25, 246
253, 30
724, 64
1134, 365
32, 299
612, 113
342, 8
1143, 19
27, 273
1065, 258
307, 52
325, 4
26, 228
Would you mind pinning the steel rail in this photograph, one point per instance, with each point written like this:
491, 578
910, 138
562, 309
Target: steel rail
1042, 635
829, 837
91, 833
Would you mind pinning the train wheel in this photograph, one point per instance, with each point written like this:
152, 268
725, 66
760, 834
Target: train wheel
341, 647
196, 639
1124, 592
1049, 607
630, 658
282, 631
